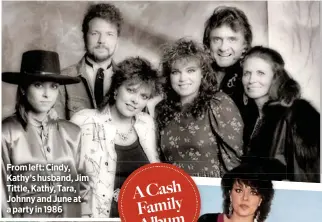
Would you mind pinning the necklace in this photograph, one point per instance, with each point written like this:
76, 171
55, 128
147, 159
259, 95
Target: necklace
125, 136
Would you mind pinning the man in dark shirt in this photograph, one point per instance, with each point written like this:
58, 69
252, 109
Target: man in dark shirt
228, 36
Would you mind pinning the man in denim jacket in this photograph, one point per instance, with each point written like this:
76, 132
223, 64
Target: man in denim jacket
101, 29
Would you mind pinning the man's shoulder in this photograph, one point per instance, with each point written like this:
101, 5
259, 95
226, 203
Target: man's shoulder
73, 70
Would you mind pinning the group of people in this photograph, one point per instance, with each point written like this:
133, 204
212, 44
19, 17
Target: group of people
223, 103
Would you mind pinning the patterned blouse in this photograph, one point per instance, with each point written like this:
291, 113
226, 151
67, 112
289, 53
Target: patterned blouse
209, 145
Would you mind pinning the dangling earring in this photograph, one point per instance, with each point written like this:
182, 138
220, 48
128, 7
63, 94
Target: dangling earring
245, 99
257, 216
230, 209
115, 94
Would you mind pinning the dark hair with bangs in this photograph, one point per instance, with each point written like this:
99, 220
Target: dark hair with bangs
184, 49
136, 70
231, 17
105, 11
255, 176
283, 88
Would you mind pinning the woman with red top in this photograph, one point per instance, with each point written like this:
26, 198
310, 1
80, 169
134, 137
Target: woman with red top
247, 196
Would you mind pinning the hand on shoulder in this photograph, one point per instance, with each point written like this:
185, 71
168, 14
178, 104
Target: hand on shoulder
144, 118
81, 116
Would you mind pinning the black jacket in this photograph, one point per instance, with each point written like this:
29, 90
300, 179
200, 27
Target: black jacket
232, 85
289, 141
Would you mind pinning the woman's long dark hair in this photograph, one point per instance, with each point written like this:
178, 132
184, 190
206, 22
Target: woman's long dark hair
254, 175
185, 50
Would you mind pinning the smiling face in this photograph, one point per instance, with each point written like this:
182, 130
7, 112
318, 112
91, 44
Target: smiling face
131, 98
42, 96
245, 200
185, 77
226, 45
101, 39
257, 78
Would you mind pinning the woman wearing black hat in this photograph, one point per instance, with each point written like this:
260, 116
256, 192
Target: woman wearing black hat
38, 149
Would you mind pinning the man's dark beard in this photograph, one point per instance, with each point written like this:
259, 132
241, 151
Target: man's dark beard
96, 59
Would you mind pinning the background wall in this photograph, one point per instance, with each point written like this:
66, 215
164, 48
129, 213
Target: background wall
57, 26
294, 30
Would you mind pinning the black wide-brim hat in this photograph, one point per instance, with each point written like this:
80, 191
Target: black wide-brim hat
39, 65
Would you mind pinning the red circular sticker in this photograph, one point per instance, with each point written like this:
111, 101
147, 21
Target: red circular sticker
159, 192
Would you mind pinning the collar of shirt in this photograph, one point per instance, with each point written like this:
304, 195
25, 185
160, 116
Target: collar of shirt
94, 66
36, 121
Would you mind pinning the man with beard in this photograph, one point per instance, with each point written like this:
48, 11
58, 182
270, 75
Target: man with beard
227, 37
101, 29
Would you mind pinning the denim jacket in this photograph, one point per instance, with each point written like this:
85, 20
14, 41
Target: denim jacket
98, 152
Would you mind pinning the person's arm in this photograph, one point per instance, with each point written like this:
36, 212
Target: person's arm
228, 126
4, 190
305, 123
151, 106
97, 135
159, 150
146, 130
85, 188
